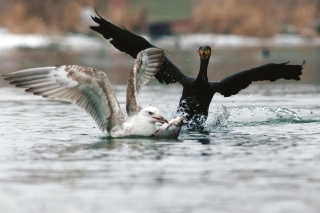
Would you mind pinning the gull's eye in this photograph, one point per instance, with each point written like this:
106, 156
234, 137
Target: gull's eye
150, 113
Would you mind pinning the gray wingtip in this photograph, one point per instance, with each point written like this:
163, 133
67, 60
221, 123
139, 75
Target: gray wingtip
303, 62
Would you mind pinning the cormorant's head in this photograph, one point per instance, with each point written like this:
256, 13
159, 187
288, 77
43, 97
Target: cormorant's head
204, 52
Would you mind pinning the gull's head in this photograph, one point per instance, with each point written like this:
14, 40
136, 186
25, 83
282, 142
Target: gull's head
204, 52
152, 114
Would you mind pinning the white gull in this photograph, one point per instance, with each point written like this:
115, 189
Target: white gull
90, 89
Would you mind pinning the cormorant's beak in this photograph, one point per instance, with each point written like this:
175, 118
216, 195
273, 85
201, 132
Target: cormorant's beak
204, 54
160, 119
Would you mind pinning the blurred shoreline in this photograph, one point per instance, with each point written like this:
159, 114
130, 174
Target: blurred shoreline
82, 42
231, 53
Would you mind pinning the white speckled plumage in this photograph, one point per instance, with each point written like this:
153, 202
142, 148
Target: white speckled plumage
90, 89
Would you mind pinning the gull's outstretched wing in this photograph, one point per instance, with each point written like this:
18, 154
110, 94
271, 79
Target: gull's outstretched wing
132, 44
231, 85
88, 88
145, 67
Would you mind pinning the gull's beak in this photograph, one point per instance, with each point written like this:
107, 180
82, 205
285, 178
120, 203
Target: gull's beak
160, 119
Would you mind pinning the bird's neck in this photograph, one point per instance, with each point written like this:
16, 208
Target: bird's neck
202, 76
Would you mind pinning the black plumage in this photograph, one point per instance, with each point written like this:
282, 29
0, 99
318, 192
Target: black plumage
197, 92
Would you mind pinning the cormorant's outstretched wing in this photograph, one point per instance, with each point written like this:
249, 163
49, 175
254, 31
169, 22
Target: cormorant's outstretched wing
86, 87
145, 67
231, 85
132, 44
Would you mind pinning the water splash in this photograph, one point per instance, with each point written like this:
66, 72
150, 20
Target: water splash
266, 115
219, 119
286, 114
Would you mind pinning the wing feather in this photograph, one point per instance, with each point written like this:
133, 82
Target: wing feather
142, 72
145, 69
132, 44
231, 85
86, 87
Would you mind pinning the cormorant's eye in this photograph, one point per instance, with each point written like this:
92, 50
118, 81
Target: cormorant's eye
150, 113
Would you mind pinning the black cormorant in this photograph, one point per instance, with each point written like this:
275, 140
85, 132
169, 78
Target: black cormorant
197, 92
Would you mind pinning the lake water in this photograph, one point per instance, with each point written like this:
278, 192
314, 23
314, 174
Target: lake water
260, 151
